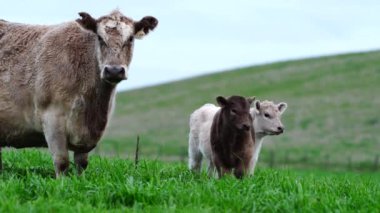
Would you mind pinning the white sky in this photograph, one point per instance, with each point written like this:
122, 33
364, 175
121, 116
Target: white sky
196, 37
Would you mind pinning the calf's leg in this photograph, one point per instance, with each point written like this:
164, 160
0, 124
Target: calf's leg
195, 155
239, 171
81, 161
210, 169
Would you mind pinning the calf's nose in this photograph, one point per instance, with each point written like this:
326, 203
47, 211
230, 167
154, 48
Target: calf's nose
246, 127
280, 129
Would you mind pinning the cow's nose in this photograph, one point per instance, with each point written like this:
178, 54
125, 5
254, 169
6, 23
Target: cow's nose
280, 129
114, 74
114, 70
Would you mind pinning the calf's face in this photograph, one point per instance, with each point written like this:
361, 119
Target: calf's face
115, 38
235, 111
267, 117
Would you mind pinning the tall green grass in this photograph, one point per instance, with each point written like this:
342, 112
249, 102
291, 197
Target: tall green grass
114, 185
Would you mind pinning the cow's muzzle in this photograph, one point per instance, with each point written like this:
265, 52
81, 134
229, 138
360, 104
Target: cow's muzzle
114, 74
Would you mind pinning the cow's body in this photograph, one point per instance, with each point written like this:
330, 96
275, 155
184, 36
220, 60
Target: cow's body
40, 80
52, 89
200, 127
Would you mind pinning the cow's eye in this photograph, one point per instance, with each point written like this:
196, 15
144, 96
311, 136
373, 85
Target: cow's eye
266, 115
233, 111
102, 42
131, 39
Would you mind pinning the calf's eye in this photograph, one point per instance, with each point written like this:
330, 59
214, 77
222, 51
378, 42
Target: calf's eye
267, 115
233, 111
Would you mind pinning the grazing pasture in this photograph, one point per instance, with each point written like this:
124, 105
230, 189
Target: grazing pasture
332, 121
27, 184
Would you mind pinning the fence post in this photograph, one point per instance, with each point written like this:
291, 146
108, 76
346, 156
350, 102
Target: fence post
96, 151
271, 159
137, 151
1, 160
349, 163
327, 160
286, 160
116, 149
376, 163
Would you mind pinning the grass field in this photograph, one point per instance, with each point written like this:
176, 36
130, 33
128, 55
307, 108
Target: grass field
332, 119
115, 185
332, 123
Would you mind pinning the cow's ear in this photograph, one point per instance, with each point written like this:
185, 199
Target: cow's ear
251, 100
144, 26
282, 107
222, 101
87, 22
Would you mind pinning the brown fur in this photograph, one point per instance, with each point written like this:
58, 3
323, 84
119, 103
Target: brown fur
51, 82
231, 136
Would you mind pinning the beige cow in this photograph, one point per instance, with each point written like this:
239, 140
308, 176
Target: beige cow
57, 83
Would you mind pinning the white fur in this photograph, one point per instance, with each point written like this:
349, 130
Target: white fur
126, 30
200, 127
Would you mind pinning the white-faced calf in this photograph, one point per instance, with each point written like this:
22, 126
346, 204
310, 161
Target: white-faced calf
267, 121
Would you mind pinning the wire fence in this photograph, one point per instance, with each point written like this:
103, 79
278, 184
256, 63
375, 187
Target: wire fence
270, 159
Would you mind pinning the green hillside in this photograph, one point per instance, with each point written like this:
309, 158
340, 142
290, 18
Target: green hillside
332, 118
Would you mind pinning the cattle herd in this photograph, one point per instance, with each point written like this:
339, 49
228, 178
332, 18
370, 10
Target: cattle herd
57, 90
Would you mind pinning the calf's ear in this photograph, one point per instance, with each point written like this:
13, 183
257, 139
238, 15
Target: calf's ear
87, 22
282, 107
251, 99
144, 26
222, 101
257, 105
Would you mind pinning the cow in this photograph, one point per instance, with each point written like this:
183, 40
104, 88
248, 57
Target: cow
266, 121
57, 82
231, 136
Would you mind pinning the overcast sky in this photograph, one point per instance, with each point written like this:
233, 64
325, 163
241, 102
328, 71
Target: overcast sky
196, 37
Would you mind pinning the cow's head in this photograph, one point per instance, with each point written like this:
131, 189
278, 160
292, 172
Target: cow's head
267, 117
235, 111
114, 45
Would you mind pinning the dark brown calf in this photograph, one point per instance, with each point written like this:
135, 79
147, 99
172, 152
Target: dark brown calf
231, 136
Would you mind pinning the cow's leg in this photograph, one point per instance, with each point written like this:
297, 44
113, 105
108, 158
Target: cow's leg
54, 126
81, 161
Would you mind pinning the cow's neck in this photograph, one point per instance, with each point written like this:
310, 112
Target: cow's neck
99, 109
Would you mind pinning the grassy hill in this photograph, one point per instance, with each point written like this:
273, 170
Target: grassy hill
115, 185
332, 120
